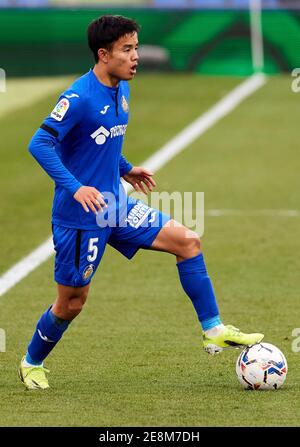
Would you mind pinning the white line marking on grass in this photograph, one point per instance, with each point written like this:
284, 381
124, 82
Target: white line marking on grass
252, 213
155, 162
25, 266
204, 122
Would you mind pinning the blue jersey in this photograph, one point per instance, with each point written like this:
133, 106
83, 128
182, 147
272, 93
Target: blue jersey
80, 143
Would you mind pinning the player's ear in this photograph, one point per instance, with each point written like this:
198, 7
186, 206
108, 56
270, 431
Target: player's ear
103, 55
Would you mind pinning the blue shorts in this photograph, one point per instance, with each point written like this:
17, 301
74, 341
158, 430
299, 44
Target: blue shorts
79, 252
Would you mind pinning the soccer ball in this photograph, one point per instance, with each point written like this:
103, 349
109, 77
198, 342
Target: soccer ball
261, 367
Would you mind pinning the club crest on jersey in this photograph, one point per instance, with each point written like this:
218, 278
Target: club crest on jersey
124, 104
60, 109
88, 271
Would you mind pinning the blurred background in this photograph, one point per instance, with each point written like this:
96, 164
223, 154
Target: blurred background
44, 37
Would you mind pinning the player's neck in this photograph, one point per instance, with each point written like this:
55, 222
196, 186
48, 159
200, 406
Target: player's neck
105, 78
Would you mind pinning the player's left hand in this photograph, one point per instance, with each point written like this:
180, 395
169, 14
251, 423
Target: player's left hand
141, 179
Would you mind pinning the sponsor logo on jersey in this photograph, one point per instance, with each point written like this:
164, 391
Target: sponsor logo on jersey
104, 110
138, 214
124, 104
118, 131
101, 134
88, 271
73, 95
60, 109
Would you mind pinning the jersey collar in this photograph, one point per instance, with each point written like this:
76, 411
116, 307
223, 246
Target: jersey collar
101, 85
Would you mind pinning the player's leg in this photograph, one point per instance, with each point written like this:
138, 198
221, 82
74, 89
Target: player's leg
175, 238
78, 254
49, 330
69, 301
151, 229
54, 322
186, 246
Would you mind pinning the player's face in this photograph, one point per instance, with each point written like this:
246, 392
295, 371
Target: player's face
123, 58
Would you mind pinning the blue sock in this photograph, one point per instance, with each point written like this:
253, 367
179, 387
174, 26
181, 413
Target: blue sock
49, 331
197, 285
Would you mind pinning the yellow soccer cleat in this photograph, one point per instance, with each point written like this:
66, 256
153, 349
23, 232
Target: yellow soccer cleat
230, 337
34, 378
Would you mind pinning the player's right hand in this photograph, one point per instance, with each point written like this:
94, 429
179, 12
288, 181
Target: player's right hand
90, 198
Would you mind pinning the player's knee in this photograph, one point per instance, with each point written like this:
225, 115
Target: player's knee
76, 303
191, 244
74, 308
70, 302
194, 244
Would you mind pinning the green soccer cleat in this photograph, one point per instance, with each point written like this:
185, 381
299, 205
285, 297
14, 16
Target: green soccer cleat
230, 338
34, 378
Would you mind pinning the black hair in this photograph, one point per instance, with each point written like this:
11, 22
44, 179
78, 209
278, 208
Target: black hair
106, 30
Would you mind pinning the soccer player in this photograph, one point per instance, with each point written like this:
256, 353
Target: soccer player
79, 145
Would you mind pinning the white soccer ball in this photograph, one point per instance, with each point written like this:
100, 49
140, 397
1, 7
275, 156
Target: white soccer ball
261, 367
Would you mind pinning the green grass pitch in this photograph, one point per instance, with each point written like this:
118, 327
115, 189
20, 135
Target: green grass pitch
134, 356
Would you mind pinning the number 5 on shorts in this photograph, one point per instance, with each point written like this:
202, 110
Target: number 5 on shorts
93, 249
